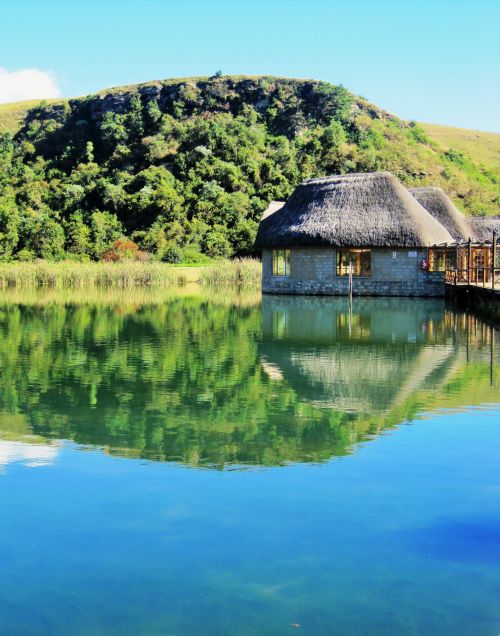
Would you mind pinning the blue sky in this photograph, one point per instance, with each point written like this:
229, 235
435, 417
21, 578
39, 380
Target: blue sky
435, 61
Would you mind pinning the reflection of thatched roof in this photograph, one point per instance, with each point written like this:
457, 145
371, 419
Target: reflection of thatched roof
358, 379
435, 201
364, 210
484, 227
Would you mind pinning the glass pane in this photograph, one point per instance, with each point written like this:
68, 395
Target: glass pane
360, 260
365, 262
441, 259
281, 262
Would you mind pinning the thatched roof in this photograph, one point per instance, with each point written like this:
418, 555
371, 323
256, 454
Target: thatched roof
435, 201
485, 226
273, 207
356, 210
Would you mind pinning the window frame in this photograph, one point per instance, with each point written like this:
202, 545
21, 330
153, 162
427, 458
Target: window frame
281, 262
342, 270
441, 259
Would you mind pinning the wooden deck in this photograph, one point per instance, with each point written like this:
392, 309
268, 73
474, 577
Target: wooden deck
487, 286
472, 274
478, 295
477, 277
487, 290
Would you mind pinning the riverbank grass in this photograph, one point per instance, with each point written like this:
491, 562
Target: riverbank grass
69, 274
127, 274
241, 272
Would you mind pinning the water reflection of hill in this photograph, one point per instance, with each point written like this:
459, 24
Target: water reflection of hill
217, 383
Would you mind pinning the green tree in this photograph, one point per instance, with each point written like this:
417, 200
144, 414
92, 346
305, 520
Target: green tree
42, 235
105, 229
9, 226
153, 115
216, 243
135, 119
78, 235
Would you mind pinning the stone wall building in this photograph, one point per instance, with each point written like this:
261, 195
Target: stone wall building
367, 228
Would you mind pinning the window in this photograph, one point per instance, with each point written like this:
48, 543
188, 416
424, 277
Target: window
441, 259
361, 261
281, 262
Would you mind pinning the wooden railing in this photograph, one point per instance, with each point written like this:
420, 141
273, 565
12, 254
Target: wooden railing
478, 264
478, 276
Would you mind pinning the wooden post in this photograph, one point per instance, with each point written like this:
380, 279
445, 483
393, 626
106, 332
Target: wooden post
456, 263
350, 299
492, 353
493, 259
350, 280
469, 259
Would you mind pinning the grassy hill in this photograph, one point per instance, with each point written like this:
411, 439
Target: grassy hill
482, 148
187, 166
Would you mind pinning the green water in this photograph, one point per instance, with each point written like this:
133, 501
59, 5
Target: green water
179, 463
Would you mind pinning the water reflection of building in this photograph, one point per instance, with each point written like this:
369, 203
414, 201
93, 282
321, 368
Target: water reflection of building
364, 358
329, 319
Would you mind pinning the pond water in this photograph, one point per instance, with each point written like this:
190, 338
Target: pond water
175, 463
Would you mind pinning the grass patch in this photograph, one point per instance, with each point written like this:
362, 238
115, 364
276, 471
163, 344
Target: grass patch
242, 272
70, 274
483, 148
12, 116
245, 272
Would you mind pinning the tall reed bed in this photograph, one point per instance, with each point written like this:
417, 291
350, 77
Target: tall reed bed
132, 300
241, 272
69, 274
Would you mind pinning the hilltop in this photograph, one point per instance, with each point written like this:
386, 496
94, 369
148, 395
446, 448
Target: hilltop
186, 166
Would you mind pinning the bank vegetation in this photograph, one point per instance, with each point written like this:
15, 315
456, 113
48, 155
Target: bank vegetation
244, 272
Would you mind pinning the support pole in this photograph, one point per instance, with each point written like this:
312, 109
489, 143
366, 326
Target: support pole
492, 353
469, 261
350, 281
493, 259
350, 299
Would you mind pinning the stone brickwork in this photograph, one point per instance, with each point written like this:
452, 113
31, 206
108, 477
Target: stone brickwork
313, 271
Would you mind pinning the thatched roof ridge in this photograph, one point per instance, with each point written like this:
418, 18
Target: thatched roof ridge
355, 210
273, 207
435, 201
485, 226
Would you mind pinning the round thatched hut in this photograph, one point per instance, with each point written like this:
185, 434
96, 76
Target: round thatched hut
363, 227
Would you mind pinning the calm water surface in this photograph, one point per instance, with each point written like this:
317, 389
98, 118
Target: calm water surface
173, 463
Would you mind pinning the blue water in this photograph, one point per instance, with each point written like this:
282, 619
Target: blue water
397, 533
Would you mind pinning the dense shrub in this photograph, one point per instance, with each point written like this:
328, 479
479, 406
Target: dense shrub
124, 250
196, 163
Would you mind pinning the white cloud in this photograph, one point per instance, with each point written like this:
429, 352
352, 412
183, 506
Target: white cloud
29, 83
30, 455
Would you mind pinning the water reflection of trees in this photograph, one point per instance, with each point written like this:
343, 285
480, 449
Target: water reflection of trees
227, 382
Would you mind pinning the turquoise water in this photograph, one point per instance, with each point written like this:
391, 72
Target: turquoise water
187, 465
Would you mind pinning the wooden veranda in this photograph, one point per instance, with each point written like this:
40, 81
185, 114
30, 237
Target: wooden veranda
469, 263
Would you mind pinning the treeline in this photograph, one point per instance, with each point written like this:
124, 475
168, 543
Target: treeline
184, 169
